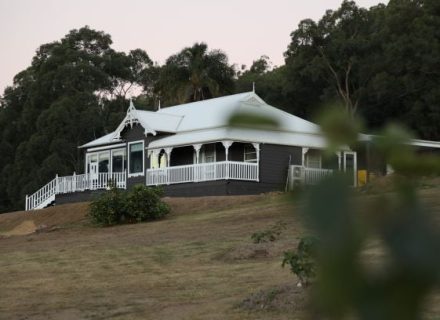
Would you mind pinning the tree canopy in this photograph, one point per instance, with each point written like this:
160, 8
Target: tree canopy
195, 74
381, 63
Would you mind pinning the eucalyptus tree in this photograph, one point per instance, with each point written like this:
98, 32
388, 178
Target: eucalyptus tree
333, 52
57, 104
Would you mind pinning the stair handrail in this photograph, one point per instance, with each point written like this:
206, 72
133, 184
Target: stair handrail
42, 194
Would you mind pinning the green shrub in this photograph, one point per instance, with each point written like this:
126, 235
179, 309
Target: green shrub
109, 208
144, 204
139, 204
302, 261
271, 234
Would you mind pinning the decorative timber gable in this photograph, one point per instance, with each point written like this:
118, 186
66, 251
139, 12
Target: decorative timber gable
132, 118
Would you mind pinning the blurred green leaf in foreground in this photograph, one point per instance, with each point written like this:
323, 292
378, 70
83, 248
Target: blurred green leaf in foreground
395, 283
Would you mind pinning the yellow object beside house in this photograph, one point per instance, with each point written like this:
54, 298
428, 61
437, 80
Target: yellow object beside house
362, 177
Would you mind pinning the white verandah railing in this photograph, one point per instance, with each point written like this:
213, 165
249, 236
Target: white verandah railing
300, 175
233, 170
74, 183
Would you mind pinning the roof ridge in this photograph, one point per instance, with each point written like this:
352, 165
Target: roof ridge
164, 113
203, 101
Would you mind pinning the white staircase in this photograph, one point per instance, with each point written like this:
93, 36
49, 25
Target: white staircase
43, 197
75, 183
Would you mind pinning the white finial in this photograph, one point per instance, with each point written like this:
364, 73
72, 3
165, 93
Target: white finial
253, 87
158, 108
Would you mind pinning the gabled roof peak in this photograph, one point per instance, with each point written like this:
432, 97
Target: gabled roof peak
131, 106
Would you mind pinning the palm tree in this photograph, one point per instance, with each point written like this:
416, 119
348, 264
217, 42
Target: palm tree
195, 74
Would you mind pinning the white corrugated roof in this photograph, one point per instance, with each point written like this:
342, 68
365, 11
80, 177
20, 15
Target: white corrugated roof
107, 139
160, 121
216, 112
198, 119
209, 120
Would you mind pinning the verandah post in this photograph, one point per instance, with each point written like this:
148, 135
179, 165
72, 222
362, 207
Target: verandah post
74, 182
257, 151
56, 184
26, 206
226, 145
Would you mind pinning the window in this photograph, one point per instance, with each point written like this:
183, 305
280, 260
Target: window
250, 153
119, 160
100, 159
103, 162
136, 158
313, 160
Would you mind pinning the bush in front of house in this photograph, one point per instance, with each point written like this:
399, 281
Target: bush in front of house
145, 204
109, 208
137, 205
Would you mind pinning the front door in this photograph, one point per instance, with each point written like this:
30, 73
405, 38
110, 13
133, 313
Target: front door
93, 175
350, 166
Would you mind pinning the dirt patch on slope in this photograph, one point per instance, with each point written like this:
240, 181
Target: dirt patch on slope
26, 227
26, 222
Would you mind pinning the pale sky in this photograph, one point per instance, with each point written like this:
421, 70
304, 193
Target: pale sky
244, 29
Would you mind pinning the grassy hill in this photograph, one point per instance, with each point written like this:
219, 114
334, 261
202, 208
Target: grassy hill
198, 263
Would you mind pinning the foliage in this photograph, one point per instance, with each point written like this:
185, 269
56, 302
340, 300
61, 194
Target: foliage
195, 74
109, 208
381, 63
269, 235
137, 205
144, 204
65, 98
394, 283
302, 261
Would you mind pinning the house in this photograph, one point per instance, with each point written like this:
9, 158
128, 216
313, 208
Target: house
193, 150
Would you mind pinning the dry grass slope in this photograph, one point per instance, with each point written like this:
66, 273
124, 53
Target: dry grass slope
198, 263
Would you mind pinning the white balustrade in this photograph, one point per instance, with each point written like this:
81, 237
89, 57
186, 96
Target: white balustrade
300, 175
74, 183
171, 175
203, 172
313, 176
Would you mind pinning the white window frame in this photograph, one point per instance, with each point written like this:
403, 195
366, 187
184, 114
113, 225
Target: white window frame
254, 160
318, 156
97, 153
111, 158
137, 174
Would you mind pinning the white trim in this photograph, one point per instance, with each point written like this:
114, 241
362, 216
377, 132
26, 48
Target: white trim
137, 174
123, 156
112, 146
130, 119
97, 153
252, 145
